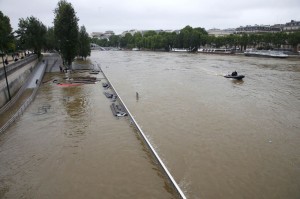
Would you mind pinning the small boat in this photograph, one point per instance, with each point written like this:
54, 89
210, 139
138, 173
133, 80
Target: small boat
265, 53
238, 77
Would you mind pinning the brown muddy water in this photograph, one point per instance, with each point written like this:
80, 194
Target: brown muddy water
69, 145
219, 138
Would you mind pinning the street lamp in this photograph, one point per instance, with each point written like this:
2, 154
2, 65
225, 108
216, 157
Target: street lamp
2, 53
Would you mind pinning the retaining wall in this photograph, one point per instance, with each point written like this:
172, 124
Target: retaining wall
17, 82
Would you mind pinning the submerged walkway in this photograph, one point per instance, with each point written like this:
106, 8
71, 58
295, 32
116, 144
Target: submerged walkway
76, 149
20, 104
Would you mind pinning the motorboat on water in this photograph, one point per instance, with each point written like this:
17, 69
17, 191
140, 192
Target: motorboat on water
265, 53
234, 75
238, 77
179, 50
216, 51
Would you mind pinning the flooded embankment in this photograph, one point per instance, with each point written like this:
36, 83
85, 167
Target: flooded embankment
69, 145
219, 138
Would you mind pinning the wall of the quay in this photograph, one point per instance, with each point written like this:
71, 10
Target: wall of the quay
16, 80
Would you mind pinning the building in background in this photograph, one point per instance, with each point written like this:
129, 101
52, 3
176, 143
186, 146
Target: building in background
101, 35
133, 31
258, 29
292, 26
219, 33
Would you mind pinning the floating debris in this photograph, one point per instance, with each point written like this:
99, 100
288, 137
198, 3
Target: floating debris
105, 85
94, 72
69, 84
108, 95
85, 80
44, 109
117, 110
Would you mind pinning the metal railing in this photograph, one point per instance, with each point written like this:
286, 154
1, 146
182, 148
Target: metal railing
27, 102
146, 141
16, 65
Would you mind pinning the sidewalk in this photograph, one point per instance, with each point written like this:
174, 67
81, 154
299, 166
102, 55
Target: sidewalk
36, 75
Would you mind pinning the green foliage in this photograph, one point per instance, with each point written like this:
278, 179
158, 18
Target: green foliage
84, 43
51, 42
150, 33
189, 37
127, 41
294, 39
66, 30
193, 38
32, 34
114, 40
6, 36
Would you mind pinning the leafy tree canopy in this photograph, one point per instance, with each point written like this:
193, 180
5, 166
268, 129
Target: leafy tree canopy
6, 37
84, 43
32, 34
66, 30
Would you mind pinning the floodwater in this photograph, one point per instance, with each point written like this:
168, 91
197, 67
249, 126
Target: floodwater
69, 145
218, 137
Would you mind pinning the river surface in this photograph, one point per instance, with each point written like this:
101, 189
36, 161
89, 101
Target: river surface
218, 137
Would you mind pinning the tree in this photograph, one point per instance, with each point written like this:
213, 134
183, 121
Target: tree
66, 30
84, 43
294, 40
51, 42
32, 34
6, 37
114, 40
138, 40
244, 41
127, 41
150, 33
279, 39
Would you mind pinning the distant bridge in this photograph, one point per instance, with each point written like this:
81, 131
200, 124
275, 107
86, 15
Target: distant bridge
97, 47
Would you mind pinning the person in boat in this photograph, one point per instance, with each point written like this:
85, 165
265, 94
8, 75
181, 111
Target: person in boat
234, 73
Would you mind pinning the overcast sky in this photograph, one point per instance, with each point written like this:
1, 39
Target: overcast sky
121, 15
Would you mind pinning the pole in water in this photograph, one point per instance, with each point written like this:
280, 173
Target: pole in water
137, 95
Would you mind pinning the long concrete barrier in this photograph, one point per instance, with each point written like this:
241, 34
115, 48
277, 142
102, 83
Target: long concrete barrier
148, 144
27, 102
16, 65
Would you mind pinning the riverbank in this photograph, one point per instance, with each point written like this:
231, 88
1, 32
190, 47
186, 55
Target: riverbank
76, 149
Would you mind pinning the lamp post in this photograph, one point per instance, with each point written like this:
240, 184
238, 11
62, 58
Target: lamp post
5, 75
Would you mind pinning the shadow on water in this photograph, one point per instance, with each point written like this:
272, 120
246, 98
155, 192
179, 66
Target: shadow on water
238, 82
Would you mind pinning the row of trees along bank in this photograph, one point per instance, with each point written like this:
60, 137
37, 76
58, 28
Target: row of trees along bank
33, 35
193, 38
